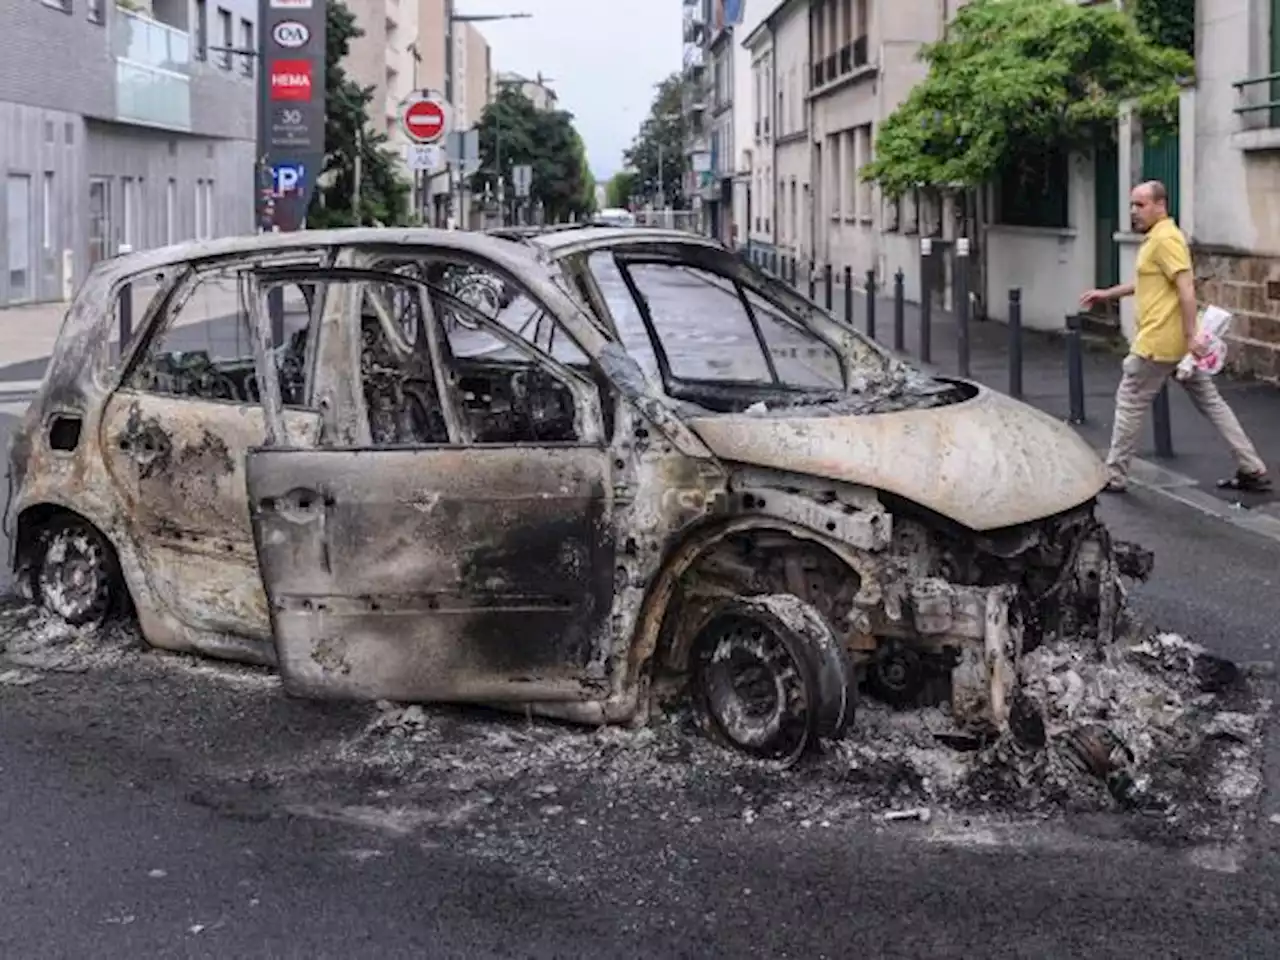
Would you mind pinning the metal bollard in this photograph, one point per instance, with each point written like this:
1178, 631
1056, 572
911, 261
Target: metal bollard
124, 313
871, 304
1015, 343
792, 279
926, 300
773, 262
1160, 423
848, 295
813, 281
827, 285
1075, 369
899, 312
962, 305
275, 311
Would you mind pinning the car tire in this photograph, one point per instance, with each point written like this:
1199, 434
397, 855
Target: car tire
75, 574
770, 678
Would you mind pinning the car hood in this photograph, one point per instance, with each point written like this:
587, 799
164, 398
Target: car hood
987, 462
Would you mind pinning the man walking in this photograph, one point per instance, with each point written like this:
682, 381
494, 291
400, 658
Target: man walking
1165, 328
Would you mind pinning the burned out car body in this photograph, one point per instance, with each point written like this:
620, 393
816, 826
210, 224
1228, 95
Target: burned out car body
384, 509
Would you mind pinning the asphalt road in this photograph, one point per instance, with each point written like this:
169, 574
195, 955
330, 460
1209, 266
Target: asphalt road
161, 807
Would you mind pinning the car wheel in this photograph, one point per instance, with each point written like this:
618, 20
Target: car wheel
75, 575
770, 678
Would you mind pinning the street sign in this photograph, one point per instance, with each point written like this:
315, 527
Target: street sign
425, 119
422, 156
522, 180
291, 99
464, 150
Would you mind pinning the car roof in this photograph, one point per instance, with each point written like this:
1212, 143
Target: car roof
596, 238
499, 248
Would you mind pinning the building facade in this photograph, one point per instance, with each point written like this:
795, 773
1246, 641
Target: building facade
759, 217
537, 89
792, 162
696, 15
122, 127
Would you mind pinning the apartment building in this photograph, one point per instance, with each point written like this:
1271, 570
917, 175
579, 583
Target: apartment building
537, 89
792, 160
758, 217
121, 127
696, 14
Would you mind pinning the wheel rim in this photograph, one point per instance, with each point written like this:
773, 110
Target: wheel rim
73, 576
753, 690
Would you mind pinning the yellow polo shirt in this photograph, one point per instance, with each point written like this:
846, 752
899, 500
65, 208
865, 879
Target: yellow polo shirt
1162, 256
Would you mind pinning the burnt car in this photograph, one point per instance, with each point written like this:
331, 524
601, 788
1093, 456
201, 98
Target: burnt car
657, 470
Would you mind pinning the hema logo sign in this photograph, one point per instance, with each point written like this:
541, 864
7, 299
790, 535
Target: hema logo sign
291, 80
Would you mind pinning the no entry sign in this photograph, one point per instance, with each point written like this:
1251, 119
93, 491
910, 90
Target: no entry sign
425, 120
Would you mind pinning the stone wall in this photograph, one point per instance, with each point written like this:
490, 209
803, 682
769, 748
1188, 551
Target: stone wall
1249, 286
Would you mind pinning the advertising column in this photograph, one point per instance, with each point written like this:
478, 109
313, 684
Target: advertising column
291, 88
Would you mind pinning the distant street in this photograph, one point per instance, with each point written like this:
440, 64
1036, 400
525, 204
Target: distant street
165, 806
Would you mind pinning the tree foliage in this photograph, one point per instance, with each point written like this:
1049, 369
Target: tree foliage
1018, 78
657, 154
384, 195
513, 132
1169, 23
621, 188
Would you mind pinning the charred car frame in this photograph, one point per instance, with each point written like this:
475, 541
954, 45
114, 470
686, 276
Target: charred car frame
326, 475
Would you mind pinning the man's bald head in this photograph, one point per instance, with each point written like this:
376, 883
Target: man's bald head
1148, 205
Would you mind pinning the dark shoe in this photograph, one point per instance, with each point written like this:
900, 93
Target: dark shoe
1247, 482
1116, 485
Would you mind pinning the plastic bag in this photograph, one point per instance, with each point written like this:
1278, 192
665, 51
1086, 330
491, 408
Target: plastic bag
1211, 330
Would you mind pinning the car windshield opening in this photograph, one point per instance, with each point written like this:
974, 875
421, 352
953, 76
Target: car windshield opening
711, 341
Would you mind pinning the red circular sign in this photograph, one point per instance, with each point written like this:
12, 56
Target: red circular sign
424, 121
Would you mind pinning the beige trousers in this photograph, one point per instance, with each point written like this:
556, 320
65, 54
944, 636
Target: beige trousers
1139, 385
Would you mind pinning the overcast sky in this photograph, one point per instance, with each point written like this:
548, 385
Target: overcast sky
603, 58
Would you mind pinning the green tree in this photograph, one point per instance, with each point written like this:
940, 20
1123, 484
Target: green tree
621, 188
513, 132
588, 199
1020, 78
384, 195
657, 154
1170, 23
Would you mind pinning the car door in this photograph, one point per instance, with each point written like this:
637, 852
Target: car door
174, 436
419, 563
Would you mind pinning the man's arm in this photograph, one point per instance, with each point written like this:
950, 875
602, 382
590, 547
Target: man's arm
1118, 292
1174, 260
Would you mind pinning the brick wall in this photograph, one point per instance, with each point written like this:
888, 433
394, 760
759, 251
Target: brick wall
57, 60
1248, 285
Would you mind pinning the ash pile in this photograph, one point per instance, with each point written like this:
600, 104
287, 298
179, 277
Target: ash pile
1160, 728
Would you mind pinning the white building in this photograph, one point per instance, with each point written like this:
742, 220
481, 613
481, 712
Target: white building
792, 154
759, 214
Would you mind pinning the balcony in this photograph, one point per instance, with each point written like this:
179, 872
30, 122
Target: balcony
1258, 106
848, 60
153, 72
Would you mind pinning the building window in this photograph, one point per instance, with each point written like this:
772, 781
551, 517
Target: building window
246, 44
224, 25
835, 185
862, 156
18, 236
94, 11
908, 213
1032, 191
202, 29
47, 203
892, 209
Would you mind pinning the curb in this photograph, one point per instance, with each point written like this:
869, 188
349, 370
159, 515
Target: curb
1183, 490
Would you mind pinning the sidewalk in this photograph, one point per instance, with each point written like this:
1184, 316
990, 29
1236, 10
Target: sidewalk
1199, 453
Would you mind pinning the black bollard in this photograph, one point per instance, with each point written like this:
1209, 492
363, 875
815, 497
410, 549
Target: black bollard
1160, 423
792, 280
848, 295
1075, 369
962, 305
124, 313
1015, 343
899, 312
813, 281
827, 284
926, 301
871, 304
